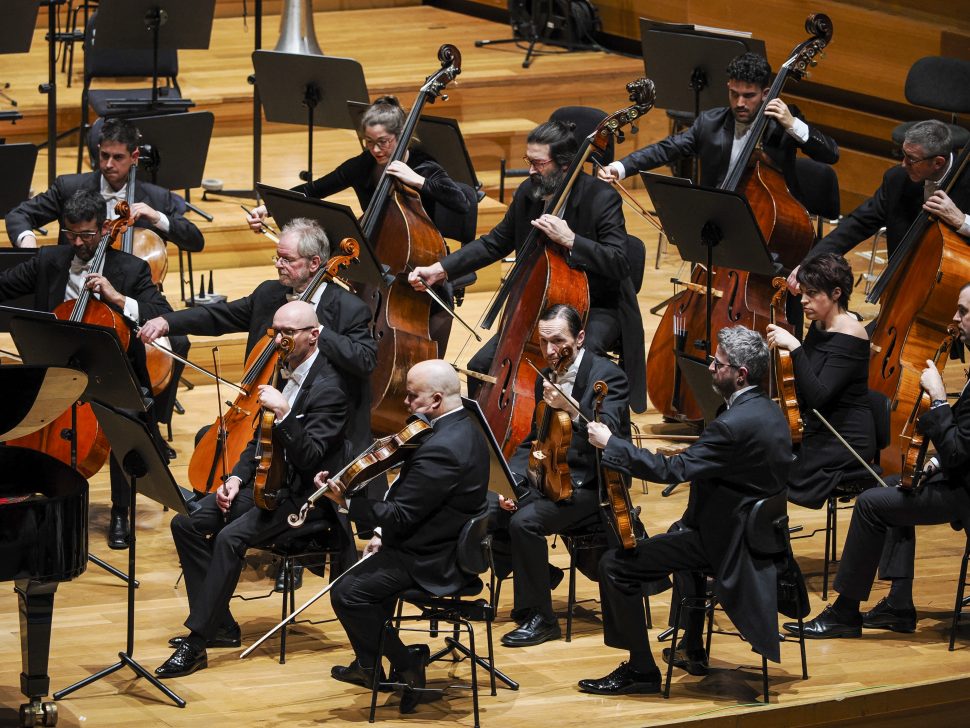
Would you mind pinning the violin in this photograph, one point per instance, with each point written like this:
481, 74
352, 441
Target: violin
783, 370
540, 277
79, 423
741, 298
614, 486
270, 471
240, 421
554, 432
403, 237
913, 443
384, 454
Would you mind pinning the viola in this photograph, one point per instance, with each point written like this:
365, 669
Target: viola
403, 238
92, 448
614, 486
386, 453
233, 430
783, 370
554, 431
270, 471
742, 298
540, 277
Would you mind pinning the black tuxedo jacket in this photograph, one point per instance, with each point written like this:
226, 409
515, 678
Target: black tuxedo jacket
345, 340
742, 456
710, 138
441, 487
615, 414
49, 206
894, 206
949, 430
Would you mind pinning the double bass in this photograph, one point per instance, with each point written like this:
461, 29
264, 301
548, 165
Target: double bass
740, 298
403, 237
540, 277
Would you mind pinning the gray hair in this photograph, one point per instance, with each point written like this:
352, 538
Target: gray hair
745, 348
932, 136
311, 239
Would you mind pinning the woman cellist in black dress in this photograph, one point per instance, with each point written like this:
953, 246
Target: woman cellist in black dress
831, 375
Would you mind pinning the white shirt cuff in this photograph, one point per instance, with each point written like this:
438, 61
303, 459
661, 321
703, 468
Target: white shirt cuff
131, 309
24, 234
799, 130
620, 170
964, 229
163, 224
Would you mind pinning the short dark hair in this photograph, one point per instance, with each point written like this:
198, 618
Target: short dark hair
561, 138
85, 205
825, 273
574, 322
121, 131
750, 68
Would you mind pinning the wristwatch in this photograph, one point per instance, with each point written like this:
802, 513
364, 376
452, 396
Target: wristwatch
937, 403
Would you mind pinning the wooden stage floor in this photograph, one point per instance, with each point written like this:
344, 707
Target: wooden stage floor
889, 679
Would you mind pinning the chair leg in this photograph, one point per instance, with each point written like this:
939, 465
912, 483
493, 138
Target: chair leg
491, 654
764, 676
829, 508
571, 600
287, 589
377, 663
646, 605
474, 661
673, 646
710, 626
961, 589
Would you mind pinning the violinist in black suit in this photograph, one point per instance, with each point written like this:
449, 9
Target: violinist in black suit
882, 530
59, 273
741, 457
442, 485
309, 433
534, 517
154, 207
592, 230
907, 189
718, 135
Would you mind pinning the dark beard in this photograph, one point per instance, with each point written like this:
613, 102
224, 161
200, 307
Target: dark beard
544, 185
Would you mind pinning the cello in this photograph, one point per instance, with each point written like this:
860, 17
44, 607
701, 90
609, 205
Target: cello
403, 238
235, 428
541, 276
741, 298
916, 292
79, 424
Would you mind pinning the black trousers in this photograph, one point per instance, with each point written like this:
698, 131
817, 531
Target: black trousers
882, 530
365, 598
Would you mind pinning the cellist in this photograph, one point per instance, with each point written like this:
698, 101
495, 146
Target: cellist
59, 273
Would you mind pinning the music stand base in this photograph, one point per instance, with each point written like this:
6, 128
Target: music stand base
124, 660
110, 569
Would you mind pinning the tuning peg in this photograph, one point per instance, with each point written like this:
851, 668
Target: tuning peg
444, 97
634, 129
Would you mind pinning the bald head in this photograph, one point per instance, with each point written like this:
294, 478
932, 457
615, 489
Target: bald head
296, 315
433, 388
298, 319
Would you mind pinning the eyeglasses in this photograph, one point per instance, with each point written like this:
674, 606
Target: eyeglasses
913, 161
382, 143
87, 236
537, 163
718, 364
273, 333
286, 261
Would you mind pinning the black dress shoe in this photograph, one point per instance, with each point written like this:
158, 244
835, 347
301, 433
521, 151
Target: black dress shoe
356, 674
624, 680
297, 579
118, 530
184, 661
886, 616
224, 637
828, 625
412, 675
693, 661
533, 632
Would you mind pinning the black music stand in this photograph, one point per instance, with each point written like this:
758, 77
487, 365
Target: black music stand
688, 63
308, 90
535, 22
338, 221
10, 258
116, 398
710, 226
17, 162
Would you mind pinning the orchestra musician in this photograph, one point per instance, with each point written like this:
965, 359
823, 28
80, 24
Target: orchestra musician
742, 456
380, 128
717, 135
592, 229
59, 273
309, 433
882, 530
441, 486
533, 517
906, 190
831, 369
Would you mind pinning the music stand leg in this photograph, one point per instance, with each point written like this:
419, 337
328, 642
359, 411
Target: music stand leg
124, 658
110, 569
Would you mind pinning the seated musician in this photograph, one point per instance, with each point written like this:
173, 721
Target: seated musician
535, 516
882, 530
59, 273
380, 128
831, 369
718, 134
591, 229
441, 486
906, 190
742, 456
309, 433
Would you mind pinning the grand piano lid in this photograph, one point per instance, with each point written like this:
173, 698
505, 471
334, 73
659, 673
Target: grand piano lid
34, 396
